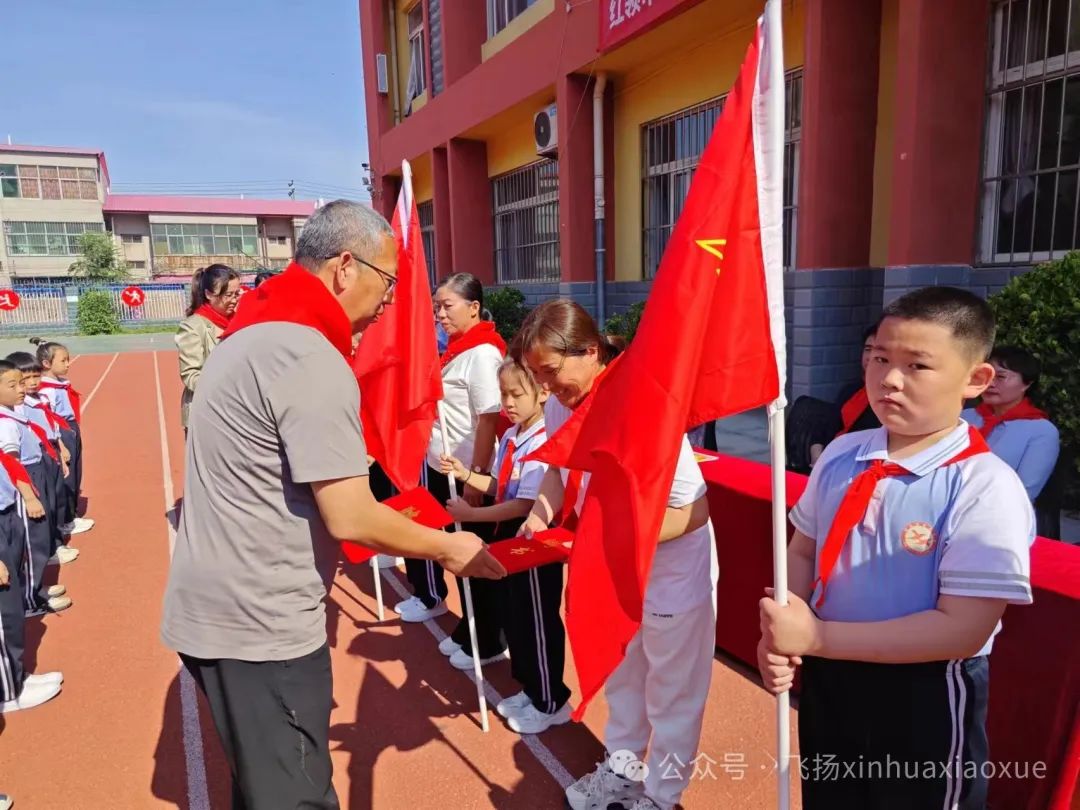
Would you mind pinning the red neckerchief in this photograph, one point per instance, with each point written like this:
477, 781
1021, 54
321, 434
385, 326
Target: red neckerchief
38, 431
853, 409
853, 506
296, 296
55, 419
482, 334
212, 315
506, 469
73, 395
1021, 410
16, 471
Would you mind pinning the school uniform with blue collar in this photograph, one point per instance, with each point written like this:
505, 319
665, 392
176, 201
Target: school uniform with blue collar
534, 627
954, 521
54, 492
12, 611
1029, 446
60, 401
18, 440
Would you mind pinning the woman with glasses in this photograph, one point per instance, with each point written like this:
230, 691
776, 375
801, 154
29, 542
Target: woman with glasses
215, 291
471, 406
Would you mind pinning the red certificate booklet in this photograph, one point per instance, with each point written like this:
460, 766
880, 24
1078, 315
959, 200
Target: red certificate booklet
419, 506
519, 554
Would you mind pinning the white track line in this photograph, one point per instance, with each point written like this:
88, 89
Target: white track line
101, 379
197, 792
532, 742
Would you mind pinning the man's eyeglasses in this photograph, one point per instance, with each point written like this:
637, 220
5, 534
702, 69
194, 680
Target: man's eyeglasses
389, 280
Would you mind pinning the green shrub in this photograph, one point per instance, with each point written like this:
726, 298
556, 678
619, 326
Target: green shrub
508, 310
96, 314
625, 324
1040, 312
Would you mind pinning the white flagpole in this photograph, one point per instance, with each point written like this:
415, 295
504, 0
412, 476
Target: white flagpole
469, 615
769, 153
378, 584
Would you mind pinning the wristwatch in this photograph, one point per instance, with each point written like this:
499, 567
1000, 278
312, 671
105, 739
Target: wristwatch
478, 469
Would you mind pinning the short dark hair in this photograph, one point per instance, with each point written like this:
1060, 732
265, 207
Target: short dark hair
25, 362
1019, 360
963, 313
870, 331
6, 366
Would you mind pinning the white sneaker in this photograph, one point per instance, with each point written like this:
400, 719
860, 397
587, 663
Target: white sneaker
77, 526
448, 646
421, 614
602, 787
59, 603
44, 677
410, 605
463, 660
508, 707
56, 590
64, 555
34, 693
6, 802
533, 721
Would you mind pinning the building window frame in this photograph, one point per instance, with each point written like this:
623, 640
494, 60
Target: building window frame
525, 223
417, 79
425, 212
500, 13
204, 239
671, 148
1030, 161
37, 239
48, 182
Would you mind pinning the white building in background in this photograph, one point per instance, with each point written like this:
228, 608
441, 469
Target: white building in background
49, 196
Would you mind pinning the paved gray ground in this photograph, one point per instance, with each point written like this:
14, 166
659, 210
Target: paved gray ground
97, 344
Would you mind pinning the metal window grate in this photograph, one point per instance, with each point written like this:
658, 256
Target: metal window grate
501, 12
525, 205
671, 148
426, 213
1032, 159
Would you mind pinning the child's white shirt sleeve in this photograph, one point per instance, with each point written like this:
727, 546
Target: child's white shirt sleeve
10, 440
688, 484
988, 535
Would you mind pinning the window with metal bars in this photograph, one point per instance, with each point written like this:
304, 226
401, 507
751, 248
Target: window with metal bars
1030, 188
501, 12
426, 212
47, 238
671, 148
525, 206
48, 182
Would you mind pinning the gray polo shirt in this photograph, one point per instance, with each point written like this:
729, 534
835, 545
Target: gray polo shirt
277, 407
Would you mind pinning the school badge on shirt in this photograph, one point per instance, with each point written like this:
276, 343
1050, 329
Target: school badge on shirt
918, 538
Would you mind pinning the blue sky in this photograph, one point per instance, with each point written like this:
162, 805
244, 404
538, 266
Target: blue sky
225, 96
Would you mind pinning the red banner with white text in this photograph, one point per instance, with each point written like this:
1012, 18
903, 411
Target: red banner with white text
621, 19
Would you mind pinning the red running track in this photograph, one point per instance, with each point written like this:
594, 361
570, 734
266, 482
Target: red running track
405, 728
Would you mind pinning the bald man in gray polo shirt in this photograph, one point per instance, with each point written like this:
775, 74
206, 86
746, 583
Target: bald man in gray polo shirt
276, 467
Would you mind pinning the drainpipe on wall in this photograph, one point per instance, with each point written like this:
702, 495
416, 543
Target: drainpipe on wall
395, 88
598, 195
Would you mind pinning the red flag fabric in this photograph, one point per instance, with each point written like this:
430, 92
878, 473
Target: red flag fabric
397, 361
710, 344
419, 506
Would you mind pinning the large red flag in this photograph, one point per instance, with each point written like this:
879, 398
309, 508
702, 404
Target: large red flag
710, 344
397, 361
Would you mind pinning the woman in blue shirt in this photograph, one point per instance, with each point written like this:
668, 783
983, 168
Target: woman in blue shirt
1018, 432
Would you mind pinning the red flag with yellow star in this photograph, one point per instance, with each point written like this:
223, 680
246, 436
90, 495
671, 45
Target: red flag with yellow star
710, 344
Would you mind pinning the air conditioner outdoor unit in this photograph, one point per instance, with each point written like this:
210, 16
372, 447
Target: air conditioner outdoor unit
382, 83
546, 130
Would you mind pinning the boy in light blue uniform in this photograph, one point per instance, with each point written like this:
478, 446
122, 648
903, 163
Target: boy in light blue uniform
1017, 432
910, 541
